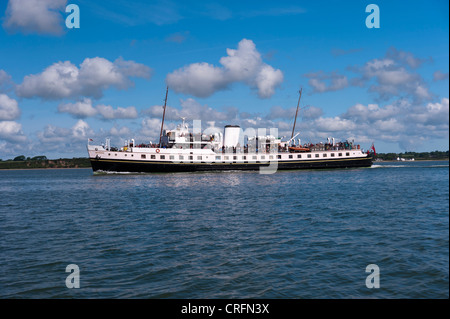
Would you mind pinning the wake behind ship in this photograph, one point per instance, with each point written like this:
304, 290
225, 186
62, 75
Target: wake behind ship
180, 150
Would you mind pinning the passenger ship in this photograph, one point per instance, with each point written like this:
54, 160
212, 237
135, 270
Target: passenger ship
180, 150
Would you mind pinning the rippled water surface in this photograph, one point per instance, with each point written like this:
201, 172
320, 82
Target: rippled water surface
293, 234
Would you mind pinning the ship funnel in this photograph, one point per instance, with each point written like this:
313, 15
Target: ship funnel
231, 135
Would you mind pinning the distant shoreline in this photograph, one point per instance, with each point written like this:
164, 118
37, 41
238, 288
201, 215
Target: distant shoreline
41, 168
416, 160
47, 164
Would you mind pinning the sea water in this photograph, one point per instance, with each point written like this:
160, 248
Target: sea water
292, 234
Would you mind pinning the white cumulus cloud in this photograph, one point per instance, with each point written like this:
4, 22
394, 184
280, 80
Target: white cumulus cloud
11, 131
80, 109
241, 65
394, 76
192, 110
35, 16
151, 128
122, 131
81, 130
53, 134
108, 112
6, 82
325, 82
437, 76
84, 108
9, 108
66, 80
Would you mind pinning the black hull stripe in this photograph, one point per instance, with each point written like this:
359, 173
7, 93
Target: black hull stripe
142, 166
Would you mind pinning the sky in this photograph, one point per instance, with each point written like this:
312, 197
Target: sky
225, 62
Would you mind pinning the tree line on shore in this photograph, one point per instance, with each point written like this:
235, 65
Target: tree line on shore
43, 162
418, 156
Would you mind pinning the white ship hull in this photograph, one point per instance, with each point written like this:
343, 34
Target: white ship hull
136, 159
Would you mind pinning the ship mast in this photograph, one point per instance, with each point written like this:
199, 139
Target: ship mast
164, 113
296, 112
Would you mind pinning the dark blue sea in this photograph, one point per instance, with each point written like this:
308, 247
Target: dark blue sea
293, 234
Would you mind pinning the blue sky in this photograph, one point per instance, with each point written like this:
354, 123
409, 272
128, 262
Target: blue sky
226, 62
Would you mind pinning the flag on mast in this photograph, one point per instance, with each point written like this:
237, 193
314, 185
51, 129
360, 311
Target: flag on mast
373, 148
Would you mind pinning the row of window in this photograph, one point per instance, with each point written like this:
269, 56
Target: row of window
244, 157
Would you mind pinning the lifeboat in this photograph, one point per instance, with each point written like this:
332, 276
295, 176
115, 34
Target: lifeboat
294, 149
